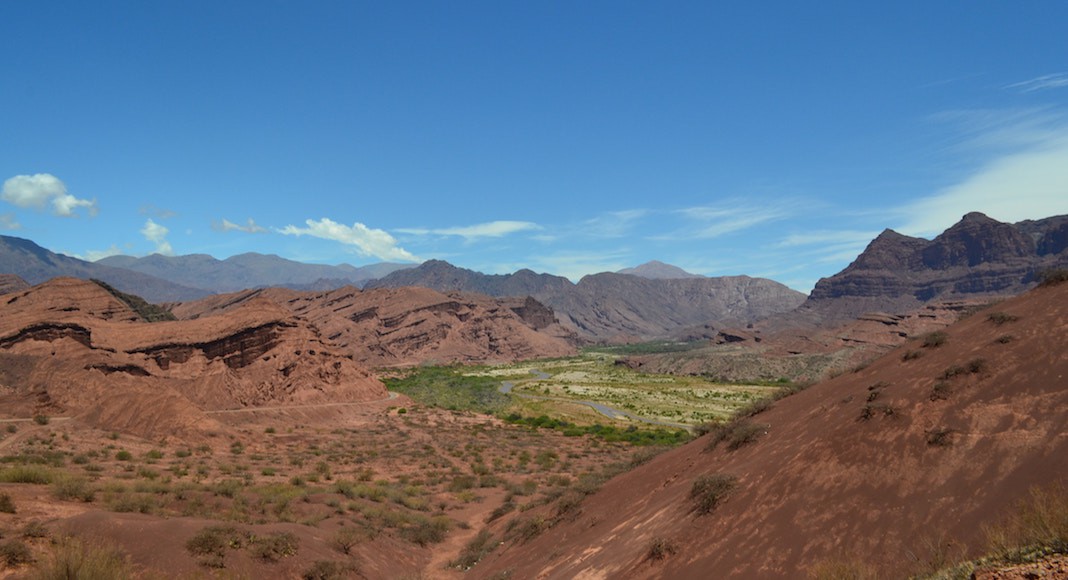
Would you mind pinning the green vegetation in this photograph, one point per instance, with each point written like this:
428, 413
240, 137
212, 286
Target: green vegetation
611, 433
147, 312
660, 548
474, 550
15, 553
935, 339
6, 505
1052, 277
1000, 318
451, 387
737, 433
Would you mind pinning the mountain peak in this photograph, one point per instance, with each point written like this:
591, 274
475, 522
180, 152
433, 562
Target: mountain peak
657, 270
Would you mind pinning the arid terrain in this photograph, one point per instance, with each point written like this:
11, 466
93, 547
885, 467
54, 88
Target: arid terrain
412, 432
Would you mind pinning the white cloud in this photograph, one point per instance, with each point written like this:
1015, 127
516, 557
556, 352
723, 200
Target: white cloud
1050, 81
94, 255
727, 219
575, 265
1027, 184
367, 241
9, 222
157, 234
494, 229
614, 224
38, 190
226, 225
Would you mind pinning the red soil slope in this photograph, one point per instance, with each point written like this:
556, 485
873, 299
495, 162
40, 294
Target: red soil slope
826, 483
68, 347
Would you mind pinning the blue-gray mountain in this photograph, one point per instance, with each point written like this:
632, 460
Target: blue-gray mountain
616, 307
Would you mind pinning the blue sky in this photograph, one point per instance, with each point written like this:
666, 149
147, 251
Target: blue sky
771, 139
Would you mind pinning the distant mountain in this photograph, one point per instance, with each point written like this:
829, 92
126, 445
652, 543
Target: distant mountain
35, 264
975, 257
611, 306
251, 270
657, 270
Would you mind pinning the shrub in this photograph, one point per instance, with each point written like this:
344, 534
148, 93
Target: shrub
40, 419
474, 551
952, 371
737, 433
346, 538
73, 488
427, 531
976, 366
524, 529
274, 547
329, 570
872, 409
660, 548
940, 391
1038, 522
75, 558
1004, 339
709, 491
939, 437
36, 474
6, 505
124, 455
15, 553
1052, 277
935, 339
911, 355
34, 529
1000, 318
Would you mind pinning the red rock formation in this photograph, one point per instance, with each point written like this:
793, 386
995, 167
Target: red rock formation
69, 347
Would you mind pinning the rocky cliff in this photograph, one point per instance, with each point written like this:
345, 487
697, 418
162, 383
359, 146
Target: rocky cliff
978, 256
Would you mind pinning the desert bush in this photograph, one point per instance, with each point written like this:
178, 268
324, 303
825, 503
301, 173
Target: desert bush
939, 437
427, 531
940, 391
935, 339
474, 550
660, 548
709, 491
873, 409
34, 529
36, 474
502, 510
330, 570
15, 553
911, 355
1004, 339
123, 455
952, 371
842, 569
41, 419
737, 433
569, 503
274, 547
524, 529
73, 488
1000, 318
6, 505
977, 365
212, 543
1040, 521
1052, 277
347, 538
77, 559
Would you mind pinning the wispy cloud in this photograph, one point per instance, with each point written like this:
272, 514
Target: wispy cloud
9, 222
157, 234
494, 229
714, 221
614, 224
226, 225
575, 265
1026, 177
94, 255
367, 241
41, 189
1050, 81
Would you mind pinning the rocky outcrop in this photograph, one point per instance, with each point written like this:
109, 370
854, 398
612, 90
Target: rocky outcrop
617, 307
71, 347
977, 256
408, 326
11, 283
